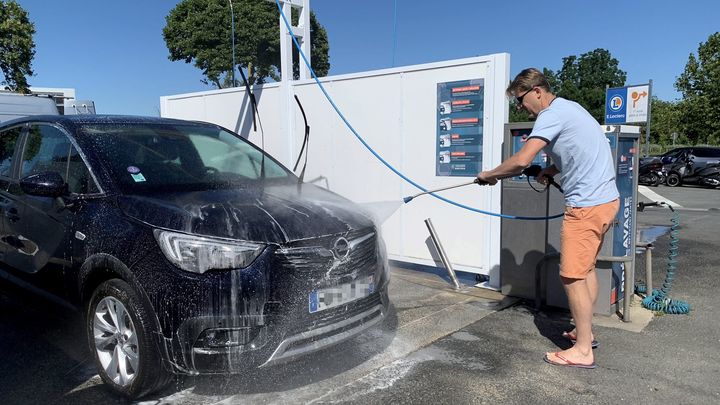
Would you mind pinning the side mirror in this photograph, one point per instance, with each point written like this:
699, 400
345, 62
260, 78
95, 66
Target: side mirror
45, 184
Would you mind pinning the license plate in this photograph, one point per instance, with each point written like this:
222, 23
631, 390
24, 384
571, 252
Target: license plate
325, 298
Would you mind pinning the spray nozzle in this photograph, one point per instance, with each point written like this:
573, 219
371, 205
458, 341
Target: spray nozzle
534, 171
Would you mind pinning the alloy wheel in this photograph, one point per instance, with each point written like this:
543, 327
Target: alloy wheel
116, 341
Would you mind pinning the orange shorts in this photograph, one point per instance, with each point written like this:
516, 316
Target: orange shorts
582, 235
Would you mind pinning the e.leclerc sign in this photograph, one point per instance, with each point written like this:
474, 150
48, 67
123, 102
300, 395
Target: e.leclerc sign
627, 104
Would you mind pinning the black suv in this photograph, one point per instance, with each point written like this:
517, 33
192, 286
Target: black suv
701, 154
189, 249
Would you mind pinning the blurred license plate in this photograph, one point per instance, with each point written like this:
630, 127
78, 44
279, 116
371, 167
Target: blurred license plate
333, 296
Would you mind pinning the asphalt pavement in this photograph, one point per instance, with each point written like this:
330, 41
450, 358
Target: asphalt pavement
436, 346
673, 360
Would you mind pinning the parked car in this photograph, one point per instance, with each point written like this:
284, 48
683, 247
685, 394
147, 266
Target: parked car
188, 249
700, 153
700, 166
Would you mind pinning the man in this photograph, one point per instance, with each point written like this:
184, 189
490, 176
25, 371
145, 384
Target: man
581, 155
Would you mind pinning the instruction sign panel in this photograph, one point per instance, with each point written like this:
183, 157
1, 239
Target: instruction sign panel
459, 127
628, 104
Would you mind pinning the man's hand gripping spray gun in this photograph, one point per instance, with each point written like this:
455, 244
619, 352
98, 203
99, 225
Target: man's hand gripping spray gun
530, 171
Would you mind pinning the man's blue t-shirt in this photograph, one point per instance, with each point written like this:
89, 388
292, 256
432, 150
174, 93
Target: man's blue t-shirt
581, 152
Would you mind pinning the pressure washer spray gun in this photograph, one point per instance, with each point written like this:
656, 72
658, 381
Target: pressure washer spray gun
530, 171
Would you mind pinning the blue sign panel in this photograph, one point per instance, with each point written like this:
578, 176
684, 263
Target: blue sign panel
616, 106
459, 128
624, 242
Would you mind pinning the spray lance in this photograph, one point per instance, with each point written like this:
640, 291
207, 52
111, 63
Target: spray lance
530, 171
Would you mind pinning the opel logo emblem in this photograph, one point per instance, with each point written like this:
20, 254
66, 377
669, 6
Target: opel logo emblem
341, 248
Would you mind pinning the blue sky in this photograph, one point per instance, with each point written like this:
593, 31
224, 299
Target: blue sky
113, 52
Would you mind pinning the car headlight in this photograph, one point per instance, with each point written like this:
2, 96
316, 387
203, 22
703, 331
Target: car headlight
200, 254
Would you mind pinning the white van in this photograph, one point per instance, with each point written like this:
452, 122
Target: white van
17, 105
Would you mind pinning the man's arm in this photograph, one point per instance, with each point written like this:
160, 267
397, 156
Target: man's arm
515, 164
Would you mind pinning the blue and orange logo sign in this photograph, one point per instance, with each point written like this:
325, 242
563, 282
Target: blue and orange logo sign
616, 106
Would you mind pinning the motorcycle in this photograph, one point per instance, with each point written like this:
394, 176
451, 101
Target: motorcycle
651, 172
684, 171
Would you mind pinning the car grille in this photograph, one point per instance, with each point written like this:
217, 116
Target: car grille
324, 258
311, 264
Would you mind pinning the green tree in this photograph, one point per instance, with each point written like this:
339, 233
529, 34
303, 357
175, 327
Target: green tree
17, 47
665, 121
583, 79
198, 31
700, 87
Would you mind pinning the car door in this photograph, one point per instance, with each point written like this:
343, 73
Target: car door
9, 140
42, 246
703, 157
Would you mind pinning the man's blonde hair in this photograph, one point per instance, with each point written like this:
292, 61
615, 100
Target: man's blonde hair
526, 80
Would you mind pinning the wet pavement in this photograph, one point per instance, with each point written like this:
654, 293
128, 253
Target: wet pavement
436, 345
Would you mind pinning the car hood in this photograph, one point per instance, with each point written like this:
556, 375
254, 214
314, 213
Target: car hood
277, 214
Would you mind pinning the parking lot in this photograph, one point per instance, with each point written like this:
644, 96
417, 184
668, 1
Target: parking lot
436, 345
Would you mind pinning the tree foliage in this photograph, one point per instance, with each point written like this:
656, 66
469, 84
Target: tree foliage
664, 122
699, 84
17, 47
583, 79
199, 32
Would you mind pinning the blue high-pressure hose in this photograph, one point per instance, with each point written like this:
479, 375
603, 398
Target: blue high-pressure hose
383, 161
659, 301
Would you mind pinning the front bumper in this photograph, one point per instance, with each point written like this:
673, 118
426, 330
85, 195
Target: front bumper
230, 321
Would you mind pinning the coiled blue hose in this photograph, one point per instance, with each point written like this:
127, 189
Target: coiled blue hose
659, 301
383, 161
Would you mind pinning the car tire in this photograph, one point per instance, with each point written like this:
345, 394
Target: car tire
673, 180
121, 335
653, 180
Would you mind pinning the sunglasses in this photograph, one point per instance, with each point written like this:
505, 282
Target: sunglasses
520, 99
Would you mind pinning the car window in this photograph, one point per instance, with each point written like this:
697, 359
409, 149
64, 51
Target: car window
150, 157
673, 153
48, 149
8, 140
707, 153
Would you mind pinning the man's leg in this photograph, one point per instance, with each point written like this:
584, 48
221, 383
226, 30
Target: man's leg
592, 285
581, 308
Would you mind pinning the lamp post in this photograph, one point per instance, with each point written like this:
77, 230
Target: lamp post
232, 34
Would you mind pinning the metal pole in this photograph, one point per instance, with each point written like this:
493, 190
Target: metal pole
628, 260
441, 252
232, 34
648, 269
647, 128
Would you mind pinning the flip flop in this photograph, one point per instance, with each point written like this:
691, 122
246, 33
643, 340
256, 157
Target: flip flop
566, 362
571, 337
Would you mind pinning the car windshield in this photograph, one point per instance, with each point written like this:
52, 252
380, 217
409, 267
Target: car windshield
175, 157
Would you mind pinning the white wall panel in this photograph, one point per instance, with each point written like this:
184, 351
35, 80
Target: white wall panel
394, 110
